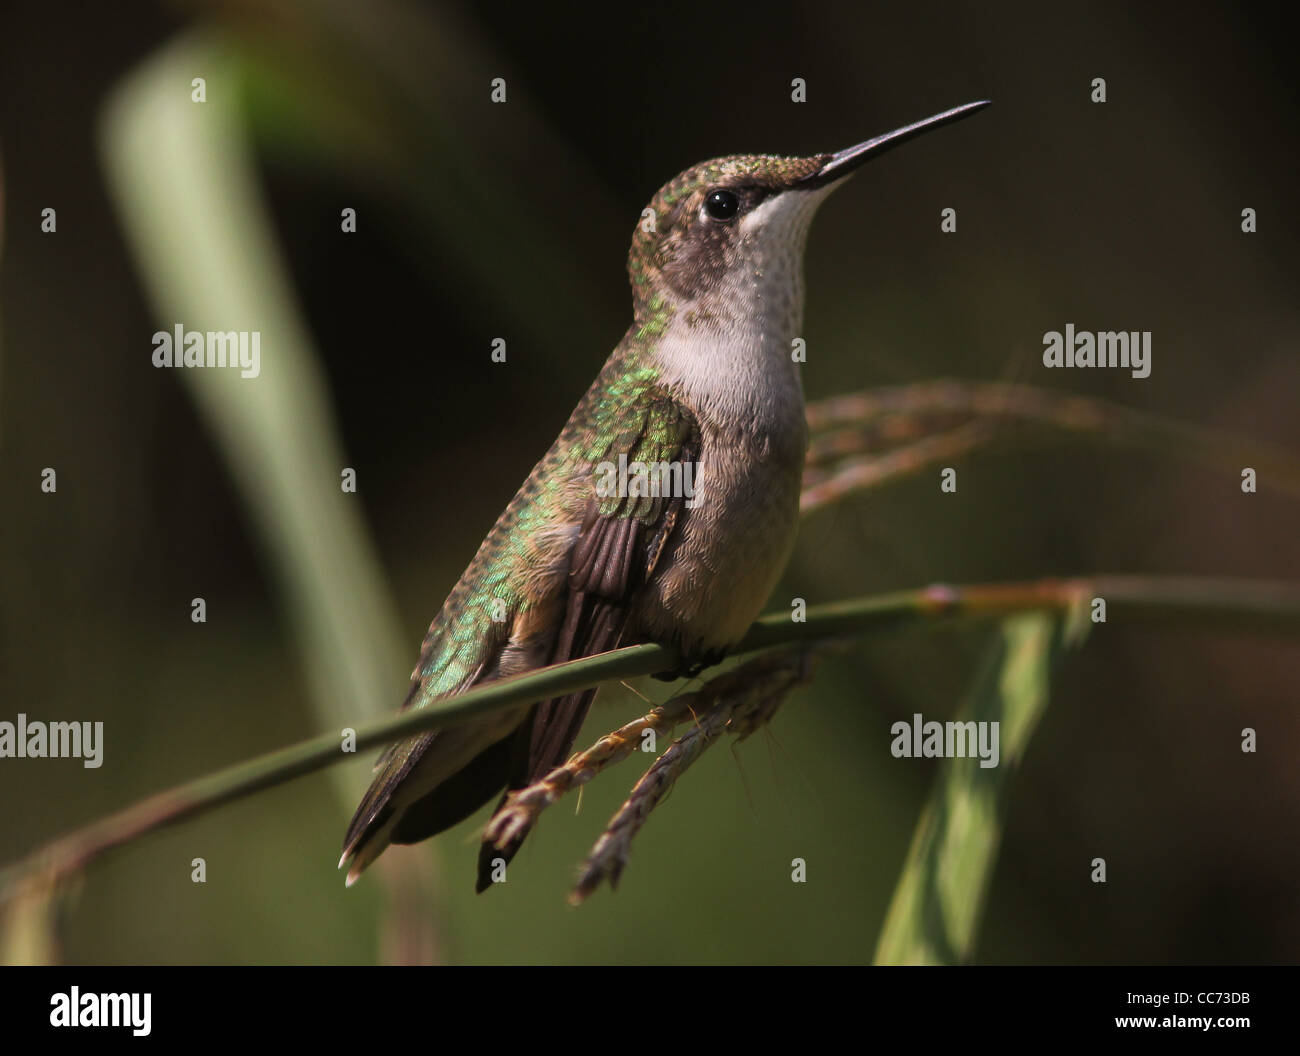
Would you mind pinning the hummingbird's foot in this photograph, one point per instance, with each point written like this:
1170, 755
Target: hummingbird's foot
690, 667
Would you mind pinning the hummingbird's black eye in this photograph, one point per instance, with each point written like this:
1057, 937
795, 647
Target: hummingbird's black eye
721, 205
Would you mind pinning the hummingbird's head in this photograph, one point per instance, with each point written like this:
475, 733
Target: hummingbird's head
738, 224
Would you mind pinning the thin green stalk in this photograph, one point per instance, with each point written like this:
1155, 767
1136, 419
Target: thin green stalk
1203, 601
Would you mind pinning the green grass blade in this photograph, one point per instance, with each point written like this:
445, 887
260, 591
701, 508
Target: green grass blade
939, 900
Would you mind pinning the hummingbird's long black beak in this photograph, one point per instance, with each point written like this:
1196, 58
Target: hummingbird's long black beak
840, 164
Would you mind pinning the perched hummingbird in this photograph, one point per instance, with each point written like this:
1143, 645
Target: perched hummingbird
704, 378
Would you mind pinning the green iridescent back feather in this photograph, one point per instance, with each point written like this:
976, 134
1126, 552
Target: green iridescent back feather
625, 412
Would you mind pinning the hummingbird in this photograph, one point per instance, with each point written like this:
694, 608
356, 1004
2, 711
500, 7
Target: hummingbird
703, 380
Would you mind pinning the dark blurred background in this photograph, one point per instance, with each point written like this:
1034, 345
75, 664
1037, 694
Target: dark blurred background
478, 221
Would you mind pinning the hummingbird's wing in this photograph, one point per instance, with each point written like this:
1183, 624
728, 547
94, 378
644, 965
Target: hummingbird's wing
427, 783
617, 550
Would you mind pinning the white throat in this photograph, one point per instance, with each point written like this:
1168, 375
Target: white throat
730, 352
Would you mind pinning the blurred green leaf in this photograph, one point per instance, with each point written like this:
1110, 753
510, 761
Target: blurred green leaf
939, 900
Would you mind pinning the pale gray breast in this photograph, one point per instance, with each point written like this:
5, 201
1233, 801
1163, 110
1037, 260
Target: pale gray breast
730, 547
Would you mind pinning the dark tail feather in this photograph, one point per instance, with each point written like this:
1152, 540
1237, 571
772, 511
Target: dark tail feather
452, 801
373, 810
540, 744
593, 622
458, 797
